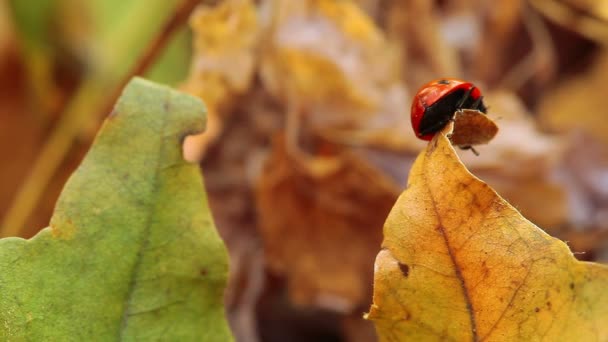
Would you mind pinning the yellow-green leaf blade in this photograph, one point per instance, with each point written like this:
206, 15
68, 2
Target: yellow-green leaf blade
131, 252
460, 263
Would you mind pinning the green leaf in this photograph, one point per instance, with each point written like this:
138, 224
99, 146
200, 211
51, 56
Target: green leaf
131, 252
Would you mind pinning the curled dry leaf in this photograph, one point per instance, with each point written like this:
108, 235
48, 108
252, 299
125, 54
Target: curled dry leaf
472, 127
321, 221
460, 263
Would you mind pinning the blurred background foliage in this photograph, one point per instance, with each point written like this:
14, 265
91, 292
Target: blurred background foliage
308, 141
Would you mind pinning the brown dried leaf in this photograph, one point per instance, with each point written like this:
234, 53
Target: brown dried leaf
321, 219
472, 127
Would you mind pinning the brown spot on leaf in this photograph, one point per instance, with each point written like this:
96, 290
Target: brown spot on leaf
405, 269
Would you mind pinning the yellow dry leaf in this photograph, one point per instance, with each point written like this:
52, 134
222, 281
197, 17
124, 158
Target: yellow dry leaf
329, 59
225, 37
577, 104
460, 263
223, 64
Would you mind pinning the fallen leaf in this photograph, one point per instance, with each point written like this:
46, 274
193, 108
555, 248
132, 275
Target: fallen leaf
577, 104
131, 252
459, 263
320, 219
225, 40
327, 59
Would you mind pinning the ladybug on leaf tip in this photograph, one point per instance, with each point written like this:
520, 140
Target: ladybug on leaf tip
436, 103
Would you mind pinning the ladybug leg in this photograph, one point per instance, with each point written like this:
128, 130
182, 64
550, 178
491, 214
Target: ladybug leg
469, 147
464, 98
477, 104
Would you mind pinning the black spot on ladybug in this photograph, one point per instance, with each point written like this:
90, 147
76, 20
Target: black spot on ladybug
405, 269
443, 82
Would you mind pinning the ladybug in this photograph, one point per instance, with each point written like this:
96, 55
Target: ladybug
436, 103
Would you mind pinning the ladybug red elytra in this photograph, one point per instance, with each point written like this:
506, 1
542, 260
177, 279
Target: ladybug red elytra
436, 102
